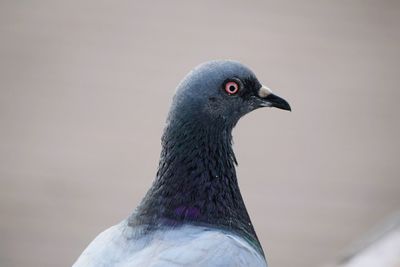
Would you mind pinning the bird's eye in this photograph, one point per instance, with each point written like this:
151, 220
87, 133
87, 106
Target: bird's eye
231, 88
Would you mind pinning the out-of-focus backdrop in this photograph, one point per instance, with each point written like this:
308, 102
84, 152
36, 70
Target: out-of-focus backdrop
86, 85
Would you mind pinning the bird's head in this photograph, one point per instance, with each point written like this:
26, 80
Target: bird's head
222, 89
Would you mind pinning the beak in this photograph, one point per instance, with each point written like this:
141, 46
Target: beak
271, 100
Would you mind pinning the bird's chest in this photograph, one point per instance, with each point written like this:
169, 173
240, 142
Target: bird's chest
186, 246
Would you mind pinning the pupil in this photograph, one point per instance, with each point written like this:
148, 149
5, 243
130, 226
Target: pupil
232, 88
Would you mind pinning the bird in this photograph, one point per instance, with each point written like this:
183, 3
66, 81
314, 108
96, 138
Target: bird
194, 214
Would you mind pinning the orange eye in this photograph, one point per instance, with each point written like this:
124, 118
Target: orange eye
231, 88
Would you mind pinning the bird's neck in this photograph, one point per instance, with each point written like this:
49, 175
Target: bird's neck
196, 181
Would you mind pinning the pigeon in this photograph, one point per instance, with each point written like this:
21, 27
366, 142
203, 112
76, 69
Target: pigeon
193, 214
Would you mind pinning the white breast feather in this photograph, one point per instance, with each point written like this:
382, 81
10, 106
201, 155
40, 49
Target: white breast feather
192, 246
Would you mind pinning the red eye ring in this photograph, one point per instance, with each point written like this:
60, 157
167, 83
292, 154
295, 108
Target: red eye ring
231, 88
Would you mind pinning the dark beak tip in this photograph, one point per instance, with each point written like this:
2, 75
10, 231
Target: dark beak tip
278, 102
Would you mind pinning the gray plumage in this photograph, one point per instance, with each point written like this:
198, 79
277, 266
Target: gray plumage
194, 214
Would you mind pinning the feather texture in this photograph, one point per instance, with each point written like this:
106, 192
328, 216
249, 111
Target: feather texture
196, 246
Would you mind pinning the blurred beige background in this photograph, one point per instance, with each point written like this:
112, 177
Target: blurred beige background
86, 85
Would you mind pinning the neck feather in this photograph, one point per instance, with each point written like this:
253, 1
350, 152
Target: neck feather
196, 182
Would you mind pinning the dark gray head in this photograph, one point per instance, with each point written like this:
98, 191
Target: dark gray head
222, 89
